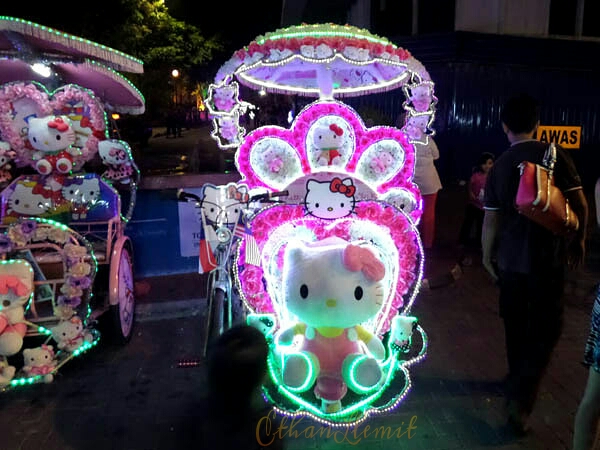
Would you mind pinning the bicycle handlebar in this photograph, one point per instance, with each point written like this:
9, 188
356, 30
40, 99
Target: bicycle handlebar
183, 196
268, 195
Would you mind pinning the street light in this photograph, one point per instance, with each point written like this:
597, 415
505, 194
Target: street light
175, 75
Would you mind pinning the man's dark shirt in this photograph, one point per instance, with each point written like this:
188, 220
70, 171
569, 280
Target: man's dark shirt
524, 246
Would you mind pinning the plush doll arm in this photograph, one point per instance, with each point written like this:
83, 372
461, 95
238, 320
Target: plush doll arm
3, 322
373, 343
287, 336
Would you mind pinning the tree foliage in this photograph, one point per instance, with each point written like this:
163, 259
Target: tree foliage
141, 28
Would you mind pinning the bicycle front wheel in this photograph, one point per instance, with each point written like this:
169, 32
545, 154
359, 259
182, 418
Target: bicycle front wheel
215, 316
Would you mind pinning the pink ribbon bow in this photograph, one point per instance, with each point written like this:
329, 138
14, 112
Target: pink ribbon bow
357, 258
117, 152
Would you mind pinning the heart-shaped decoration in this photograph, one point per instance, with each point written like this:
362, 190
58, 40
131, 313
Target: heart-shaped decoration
21, 101
383, 225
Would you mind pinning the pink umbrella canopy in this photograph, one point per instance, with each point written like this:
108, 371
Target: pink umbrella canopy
322, 60
72, 60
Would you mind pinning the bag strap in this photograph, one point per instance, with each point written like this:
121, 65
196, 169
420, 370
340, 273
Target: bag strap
549, 159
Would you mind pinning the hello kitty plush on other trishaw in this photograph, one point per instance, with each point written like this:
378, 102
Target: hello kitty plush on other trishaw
340, 263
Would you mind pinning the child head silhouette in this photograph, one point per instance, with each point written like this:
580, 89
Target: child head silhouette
237, 365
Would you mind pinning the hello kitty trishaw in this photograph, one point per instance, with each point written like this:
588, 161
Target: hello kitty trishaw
63, 229
340, 260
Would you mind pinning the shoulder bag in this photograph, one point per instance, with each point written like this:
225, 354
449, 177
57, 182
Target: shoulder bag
540, 200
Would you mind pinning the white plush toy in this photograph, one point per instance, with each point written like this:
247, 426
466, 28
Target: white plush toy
52, 137
332, 287
6, 157
402, 330
116, 155
40, 361
7, 373
16, 281
328, 140
70, 335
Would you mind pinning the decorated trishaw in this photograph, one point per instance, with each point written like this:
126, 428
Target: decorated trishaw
330, 272
68, 191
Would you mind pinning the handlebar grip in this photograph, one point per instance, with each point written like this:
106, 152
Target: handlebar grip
183, 196
268, 195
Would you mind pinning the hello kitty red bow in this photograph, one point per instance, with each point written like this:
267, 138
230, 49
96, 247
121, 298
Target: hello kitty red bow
337, 185
59, 124
235, 194
336, 129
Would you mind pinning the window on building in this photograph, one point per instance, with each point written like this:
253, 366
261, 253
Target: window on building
591, 18
562, 17
392, 17
436, 16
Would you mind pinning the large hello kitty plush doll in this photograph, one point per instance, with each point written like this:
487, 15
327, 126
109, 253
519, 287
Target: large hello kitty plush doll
332, 287
16, 281
52, 137
330, 199
328, 140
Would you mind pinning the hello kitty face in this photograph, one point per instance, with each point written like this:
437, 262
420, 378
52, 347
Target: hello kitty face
401, 199
332, 283
224, 98
220, 205
24, 202
51, 133
39, 356
421, 93
402, 330
86, 192
330, 199
327, 137
113, 152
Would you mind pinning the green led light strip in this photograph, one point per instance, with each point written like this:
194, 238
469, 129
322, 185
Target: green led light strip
69, 36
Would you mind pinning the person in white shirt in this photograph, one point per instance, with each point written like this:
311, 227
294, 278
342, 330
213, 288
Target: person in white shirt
426, 177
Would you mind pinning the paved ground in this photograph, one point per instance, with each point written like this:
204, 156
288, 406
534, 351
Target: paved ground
137, 398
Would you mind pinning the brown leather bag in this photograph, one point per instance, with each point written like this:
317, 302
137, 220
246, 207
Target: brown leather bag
540, 200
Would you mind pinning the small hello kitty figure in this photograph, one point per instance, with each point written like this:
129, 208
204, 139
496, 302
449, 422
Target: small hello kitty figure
382, 162
224, 98
328, 139
116, 156
416, 127
6, 156
82, 194
52, 137
421, 97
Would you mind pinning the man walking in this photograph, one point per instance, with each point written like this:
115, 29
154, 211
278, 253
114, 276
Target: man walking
526, 260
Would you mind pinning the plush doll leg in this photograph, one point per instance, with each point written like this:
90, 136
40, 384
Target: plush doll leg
63, 165
331, 389
10, 343
44, 167
361, 372
300, 370
7, 372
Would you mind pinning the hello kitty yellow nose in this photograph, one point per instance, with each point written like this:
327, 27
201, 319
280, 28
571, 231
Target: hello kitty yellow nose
331, 303
330, 209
